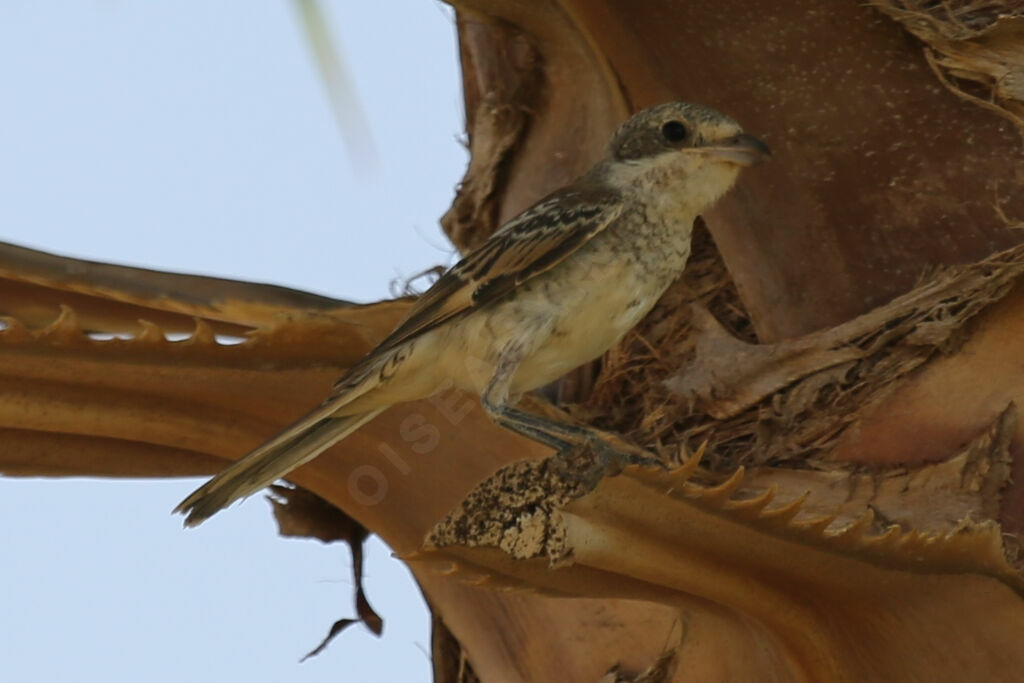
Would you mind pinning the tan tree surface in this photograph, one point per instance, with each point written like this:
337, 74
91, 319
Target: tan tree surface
834, 382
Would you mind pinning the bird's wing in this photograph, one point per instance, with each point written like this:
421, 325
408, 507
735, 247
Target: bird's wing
528, 245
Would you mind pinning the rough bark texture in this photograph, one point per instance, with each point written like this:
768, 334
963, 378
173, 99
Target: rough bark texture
886, 171
833, 385
894, 155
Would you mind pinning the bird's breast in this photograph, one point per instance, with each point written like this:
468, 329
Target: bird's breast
592, 304
570, 314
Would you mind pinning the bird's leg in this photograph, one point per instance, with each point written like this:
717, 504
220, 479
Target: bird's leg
495, 400
567, 439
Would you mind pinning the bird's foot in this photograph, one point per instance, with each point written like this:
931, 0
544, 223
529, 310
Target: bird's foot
602, 454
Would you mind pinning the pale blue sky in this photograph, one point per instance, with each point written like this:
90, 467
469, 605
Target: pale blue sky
197, 137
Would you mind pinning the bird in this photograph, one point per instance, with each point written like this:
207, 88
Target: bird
553, 288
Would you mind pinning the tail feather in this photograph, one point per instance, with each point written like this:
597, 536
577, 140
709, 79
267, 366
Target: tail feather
293, 447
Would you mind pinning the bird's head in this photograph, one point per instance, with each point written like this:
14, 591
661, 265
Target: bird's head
678, 147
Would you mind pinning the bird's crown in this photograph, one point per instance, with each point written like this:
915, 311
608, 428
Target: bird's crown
670, 126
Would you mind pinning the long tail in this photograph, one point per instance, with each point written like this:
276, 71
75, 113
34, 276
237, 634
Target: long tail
296, 445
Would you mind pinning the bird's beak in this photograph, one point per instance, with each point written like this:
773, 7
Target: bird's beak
742, 149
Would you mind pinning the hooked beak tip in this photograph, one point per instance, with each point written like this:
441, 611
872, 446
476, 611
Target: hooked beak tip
742, 149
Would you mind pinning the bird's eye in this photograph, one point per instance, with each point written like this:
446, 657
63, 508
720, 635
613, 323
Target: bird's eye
674, 131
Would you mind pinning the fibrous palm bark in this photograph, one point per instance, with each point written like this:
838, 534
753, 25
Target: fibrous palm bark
835, 378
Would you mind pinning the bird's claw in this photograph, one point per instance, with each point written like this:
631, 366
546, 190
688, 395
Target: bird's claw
602, 455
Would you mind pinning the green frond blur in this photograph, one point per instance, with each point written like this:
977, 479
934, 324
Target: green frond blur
352, 122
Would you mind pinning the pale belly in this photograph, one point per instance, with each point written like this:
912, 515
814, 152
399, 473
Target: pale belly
595, 323
559, 320
563, 319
